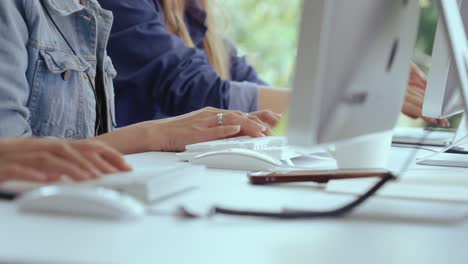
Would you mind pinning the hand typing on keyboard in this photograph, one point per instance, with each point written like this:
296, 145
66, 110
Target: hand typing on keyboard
208, 124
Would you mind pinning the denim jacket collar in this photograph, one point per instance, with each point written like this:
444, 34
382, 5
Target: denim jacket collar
65, 7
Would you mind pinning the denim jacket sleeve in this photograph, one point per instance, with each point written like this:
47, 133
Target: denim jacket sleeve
14, 88
163, 77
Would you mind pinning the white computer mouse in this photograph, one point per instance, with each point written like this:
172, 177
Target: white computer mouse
82, 201
237, 159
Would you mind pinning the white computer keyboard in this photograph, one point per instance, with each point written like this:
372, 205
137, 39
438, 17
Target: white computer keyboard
274, 146
147, 185
261, 143
420, 136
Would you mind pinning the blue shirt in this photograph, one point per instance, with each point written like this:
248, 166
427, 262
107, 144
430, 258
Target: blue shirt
44, 87
159, 76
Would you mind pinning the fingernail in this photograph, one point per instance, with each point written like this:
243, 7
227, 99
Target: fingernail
264, 128
235, 129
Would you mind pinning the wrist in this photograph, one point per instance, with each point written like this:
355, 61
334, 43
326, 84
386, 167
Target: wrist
152, 136
136, 138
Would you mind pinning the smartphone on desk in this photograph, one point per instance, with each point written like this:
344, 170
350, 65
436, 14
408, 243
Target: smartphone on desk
318, 176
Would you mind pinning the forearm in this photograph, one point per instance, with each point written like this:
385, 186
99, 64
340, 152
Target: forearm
276, 100
141, 137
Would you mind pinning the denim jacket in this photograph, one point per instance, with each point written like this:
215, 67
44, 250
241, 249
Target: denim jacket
44, 87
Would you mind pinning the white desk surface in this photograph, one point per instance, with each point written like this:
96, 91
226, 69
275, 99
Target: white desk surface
169, 239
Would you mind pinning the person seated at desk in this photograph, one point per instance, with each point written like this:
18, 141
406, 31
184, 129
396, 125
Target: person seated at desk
167, 68
47, 159
56, 80
172, 60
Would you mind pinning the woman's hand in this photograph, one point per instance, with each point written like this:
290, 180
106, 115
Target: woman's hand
267, 117
45, 159
173, 134
202, 125
414, 97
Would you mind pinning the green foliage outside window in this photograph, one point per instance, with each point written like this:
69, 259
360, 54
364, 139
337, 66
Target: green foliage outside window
266, 31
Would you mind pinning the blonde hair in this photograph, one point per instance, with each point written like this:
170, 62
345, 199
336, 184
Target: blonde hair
213, 43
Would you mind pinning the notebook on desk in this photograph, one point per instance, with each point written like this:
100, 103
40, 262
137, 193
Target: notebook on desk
147, 185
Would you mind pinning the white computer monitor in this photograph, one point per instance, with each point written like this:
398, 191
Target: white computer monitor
458, 44
443, 97
352, 68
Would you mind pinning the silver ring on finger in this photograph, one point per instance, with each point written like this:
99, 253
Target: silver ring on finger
220, 119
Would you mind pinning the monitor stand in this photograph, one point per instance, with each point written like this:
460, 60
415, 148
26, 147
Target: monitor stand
367, 152
449, 158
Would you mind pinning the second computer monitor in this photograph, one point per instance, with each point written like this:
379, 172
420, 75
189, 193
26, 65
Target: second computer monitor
443, 97
352, 68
